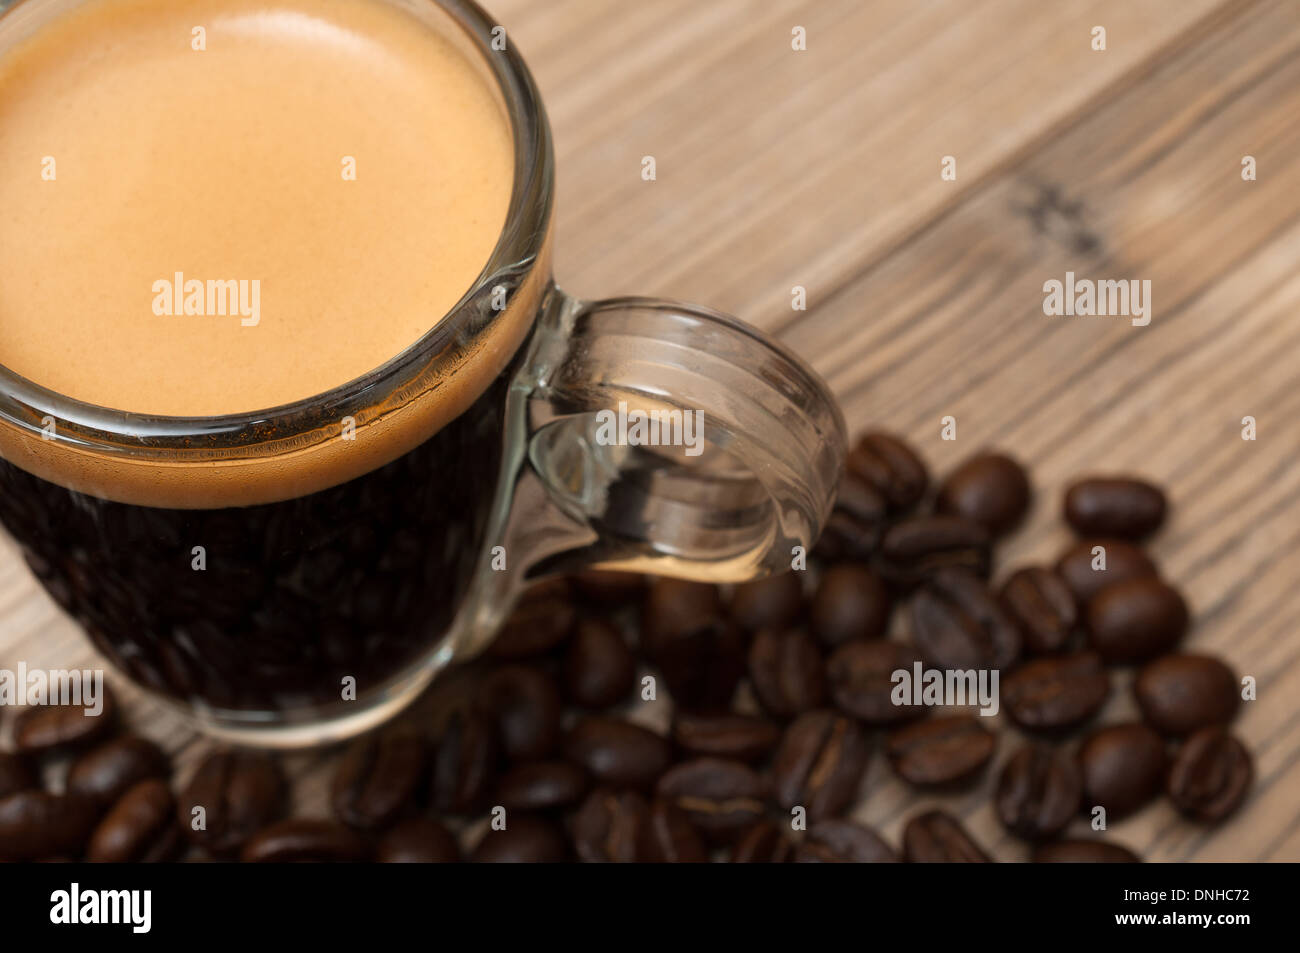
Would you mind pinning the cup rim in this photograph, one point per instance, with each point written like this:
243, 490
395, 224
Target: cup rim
25, 404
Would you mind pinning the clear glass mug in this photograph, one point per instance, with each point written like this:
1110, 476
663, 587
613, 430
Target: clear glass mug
492, 458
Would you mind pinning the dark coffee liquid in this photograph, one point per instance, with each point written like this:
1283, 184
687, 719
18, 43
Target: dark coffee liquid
358, 580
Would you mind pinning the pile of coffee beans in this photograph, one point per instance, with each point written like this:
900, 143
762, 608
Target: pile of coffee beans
623, 719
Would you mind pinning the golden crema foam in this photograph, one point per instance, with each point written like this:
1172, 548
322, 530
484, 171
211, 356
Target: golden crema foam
218, 206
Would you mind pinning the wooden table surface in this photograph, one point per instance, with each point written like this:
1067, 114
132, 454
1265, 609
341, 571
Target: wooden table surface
820, 168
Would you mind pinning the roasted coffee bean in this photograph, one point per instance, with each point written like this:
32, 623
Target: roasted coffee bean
1056, 693
525, 706
607, 827
541, 786
957, 624
861, 677
1038, 792
617, 752
43, 728
1179, 694
892, 467
915, 548
1123, 767
768, 603
1042, 606
540, 622
1090, 565
1210, 775
464, 764
525, 840
855, 524
850, 603
673, 607
936, 837
605, 588
377, 779
702, 665
991, 489
418, 840
668, 837
1084, 852
764, 843
1114, 506
819, 764
139, 828
106, 772
240, 793
940, 750
17, 773
787, 671
35, 824
734, 737
599, 670
721, 798
843, 842
305, 840
1135, 621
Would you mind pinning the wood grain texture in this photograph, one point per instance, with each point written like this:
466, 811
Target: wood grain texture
821, 169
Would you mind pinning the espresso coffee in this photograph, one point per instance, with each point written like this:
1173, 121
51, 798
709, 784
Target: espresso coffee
344, 170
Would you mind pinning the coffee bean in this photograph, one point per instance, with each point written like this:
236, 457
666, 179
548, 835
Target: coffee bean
892, 467
46, 728
668, 837
1091, 565
36, 824
605, 588
377, 779
1210, 775
617, 752
17, 773
540, 622
786, 669
599, 670
139, 828
721, 798
541, 786
1179, 694
855, 524
957, 624
768, 603
1114, 506
464, 763
1123, 768
1084, 852
1056, 693
850, 603
734, 737
941, 750
861, 676
938, 838
819, 764
1135, 621
525, 840
304, 840
525, 706
764, 843
106, 773
240, 793
417, 840
915, 548
843, 842
674, 607
1038, 792
991, 489
702, 665
607, 827
1043, 608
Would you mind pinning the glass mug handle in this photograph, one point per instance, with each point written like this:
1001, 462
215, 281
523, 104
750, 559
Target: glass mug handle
653, 436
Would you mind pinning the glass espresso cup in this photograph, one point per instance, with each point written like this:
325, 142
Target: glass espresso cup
298, 574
